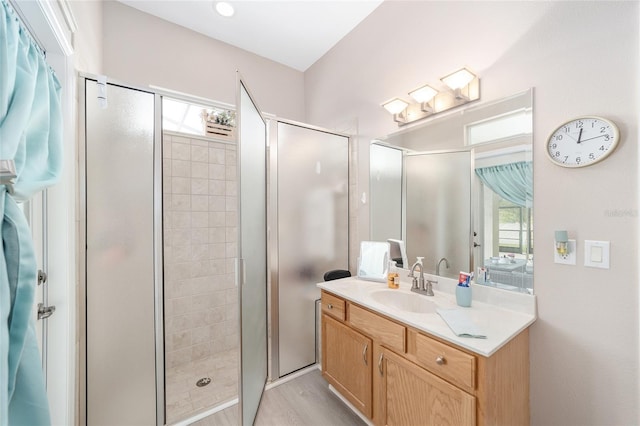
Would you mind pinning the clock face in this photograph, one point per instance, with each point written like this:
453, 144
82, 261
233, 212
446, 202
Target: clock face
582, 142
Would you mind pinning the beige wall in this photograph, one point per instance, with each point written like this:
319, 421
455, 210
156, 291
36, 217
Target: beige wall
141, 49
87, 41
581, 58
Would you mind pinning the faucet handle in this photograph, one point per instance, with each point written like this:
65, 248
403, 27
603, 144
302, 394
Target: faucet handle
414, 282
429, 287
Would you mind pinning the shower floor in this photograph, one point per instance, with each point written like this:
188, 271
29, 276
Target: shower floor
184, 399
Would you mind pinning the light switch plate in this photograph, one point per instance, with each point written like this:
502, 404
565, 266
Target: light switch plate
570, 258
596, 254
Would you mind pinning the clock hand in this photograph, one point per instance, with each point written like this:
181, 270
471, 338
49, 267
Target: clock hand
595, 137
580, 135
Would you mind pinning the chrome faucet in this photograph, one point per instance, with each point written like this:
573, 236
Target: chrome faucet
419, 285
446, 264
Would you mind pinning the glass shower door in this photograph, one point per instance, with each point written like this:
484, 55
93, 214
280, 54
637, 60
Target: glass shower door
120, 267
438, 214
252, 253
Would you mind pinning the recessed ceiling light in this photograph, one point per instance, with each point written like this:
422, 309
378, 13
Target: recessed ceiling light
224, 8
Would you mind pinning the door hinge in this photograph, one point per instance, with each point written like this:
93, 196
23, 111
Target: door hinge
42, 277
45, 311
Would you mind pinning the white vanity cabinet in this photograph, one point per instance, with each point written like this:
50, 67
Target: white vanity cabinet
398, 375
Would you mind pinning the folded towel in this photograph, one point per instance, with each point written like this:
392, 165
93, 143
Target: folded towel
460, 323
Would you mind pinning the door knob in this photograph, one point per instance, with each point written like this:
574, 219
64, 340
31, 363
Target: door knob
45, 311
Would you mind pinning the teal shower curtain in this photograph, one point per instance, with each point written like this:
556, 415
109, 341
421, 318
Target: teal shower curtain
512, 181
31, 136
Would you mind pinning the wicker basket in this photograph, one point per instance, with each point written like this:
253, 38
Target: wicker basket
220, 131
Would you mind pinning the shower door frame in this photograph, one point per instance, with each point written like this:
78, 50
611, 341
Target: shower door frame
273, 238
157, 245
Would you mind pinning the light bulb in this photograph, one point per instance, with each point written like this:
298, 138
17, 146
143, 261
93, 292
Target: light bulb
224, 9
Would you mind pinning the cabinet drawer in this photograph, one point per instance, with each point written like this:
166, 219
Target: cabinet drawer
388, 333
333, 306
447, 362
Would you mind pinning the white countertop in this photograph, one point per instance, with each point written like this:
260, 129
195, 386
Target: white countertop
499, 323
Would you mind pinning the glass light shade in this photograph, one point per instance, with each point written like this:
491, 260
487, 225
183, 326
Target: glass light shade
225, 9
458, 79
395, 106
423, 94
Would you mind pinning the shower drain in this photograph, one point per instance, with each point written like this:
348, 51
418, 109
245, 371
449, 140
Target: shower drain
203, 382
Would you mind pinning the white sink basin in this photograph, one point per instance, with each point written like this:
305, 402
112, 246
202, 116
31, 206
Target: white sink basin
409, 302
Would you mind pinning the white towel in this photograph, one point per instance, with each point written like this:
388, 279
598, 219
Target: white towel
461, 324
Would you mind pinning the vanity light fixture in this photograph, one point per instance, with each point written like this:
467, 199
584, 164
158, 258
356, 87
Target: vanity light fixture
423, 95
397, 107
462, 87
224, 9
458, 81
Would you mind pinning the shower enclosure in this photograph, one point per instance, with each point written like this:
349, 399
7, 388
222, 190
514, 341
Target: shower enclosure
168, 272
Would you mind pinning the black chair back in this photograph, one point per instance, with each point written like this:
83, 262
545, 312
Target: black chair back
336, 274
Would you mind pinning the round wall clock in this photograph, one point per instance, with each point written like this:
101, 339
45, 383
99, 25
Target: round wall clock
582, 141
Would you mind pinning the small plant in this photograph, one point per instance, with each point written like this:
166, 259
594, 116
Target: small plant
220, 116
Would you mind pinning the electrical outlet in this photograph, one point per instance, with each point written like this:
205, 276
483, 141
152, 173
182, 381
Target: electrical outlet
569, 258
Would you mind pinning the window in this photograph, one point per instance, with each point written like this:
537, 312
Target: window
515, 229
179, 116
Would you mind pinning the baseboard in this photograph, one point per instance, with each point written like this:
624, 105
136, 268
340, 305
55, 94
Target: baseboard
350, 405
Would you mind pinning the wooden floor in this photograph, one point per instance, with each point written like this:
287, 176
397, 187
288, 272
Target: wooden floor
305, 400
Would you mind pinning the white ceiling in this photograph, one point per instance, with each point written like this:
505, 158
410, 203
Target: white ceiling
295, 33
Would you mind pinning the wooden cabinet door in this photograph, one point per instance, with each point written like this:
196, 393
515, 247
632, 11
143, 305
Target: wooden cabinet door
413, 396
346, 362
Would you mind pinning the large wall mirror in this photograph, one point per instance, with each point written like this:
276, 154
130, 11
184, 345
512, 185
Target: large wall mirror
458, 190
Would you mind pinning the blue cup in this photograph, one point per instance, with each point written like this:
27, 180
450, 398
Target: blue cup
463, 296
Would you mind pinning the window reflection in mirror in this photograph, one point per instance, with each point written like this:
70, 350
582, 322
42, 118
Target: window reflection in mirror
504, 217
498, 135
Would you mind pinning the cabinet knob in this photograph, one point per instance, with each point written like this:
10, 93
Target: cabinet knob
440, 360
330, 306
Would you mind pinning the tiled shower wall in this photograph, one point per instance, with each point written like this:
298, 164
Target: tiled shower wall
200, 241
